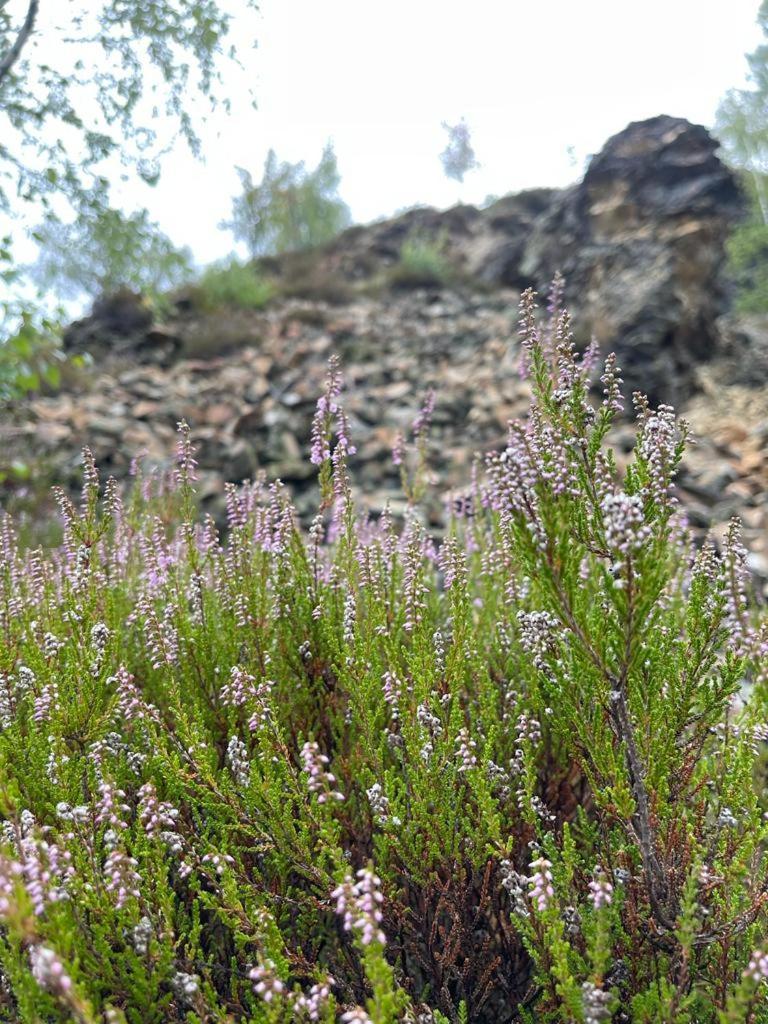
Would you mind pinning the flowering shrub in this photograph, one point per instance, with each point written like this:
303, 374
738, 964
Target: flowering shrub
363, 775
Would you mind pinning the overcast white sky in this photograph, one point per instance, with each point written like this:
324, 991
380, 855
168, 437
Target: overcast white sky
531, 78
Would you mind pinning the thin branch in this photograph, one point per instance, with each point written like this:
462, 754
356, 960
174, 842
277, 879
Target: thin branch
621, 721
25, 32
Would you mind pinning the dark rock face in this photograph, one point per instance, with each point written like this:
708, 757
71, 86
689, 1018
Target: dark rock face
641, 243
122, 323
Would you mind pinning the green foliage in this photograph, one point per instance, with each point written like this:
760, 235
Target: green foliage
422, 264
113, 71
234, 284
103, 250
748, 258
31, 358
288, 775
742, 120
291, 208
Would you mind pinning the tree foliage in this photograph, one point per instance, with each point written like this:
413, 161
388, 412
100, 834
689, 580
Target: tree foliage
742, 128
458, 157
742, 120
291, 208
102, 250
92, 81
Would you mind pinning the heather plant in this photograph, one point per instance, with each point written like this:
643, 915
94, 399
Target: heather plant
360, 773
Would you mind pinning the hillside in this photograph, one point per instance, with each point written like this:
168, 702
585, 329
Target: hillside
640, 241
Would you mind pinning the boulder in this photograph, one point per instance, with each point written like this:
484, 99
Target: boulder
641, 242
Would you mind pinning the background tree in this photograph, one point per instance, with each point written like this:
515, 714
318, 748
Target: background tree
102, 250
89, 90
742, 121
95, 80
742, 128
290, 208
458, 157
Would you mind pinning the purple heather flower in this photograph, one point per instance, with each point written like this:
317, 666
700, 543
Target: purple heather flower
219, 862
109, 808
465, 751
121, 877
185, 456
239, 690
392, 690
265, 981
540, 882
356, 1016
378, 802
46, 868
359, 904
626, 531
90, 481
421, 424
10, 870
398, 450
155, 815
734, 590
601, 890
612, 381
757, 969
528, 330
328, 409
45, 702
48, 970
453, 564
539, 633
321, 781
312, 1005
657, 443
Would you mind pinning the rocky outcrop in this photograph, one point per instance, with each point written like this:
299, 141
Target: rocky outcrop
641, 243
122, 324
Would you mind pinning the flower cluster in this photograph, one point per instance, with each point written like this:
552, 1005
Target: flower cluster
48, 970
329, 409
541, 891
757, 968
359, 904
601, 890
321, 781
